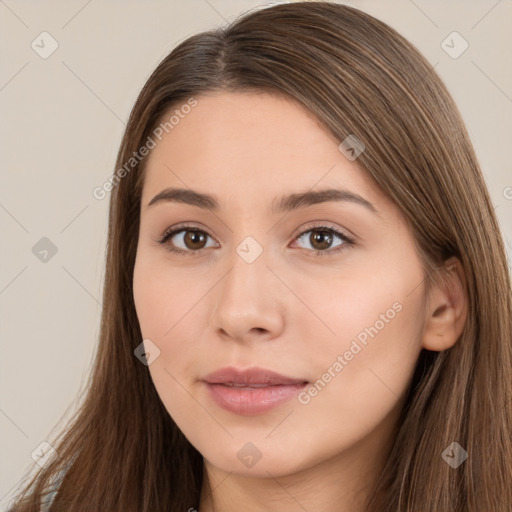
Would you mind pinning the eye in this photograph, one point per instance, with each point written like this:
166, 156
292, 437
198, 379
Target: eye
190, 238
321, 238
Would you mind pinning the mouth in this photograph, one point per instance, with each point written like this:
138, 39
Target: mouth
251, 391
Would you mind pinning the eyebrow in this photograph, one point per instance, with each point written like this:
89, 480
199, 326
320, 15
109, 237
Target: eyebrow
279, 205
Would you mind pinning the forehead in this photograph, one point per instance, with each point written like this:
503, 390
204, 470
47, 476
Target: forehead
249, 146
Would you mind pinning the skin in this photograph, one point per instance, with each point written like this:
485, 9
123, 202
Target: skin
290, 310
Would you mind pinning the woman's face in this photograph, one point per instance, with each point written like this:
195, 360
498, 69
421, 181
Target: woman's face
264, 282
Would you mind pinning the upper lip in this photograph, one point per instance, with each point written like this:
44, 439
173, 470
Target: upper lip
249, 377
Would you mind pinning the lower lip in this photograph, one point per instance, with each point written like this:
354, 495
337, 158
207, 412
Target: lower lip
249, 401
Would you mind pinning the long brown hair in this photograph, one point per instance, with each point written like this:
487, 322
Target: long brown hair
123, 451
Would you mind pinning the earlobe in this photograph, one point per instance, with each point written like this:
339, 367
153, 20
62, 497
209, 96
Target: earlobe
447, 308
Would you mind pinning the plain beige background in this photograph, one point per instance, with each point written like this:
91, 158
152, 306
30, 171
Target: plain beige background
62, 121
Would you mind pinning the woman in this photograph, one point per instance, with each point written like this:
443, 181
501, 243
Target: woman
307, 298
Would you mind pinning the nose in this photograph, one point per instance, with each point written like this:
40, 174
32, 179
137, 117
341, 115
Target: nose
247, 306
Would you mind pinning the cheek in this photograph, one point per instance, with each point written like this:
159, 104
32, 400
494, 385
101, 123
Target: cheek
366, 364
166, 306
380, 318
163, 309
163, 298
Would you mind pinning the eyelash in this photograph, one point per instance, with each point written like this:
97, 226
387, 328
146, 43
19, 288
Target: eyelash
347, 241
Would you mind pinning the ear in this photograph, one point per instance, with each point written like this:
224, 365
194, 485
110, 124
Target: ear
447, 307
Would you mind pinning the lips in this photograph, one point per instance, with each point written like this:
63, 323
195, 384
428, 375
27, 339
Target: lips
250, 377
251, 391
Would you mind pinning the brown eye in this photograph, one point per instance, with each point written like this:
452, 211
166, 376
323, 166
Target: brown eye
321, 239
185, 240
